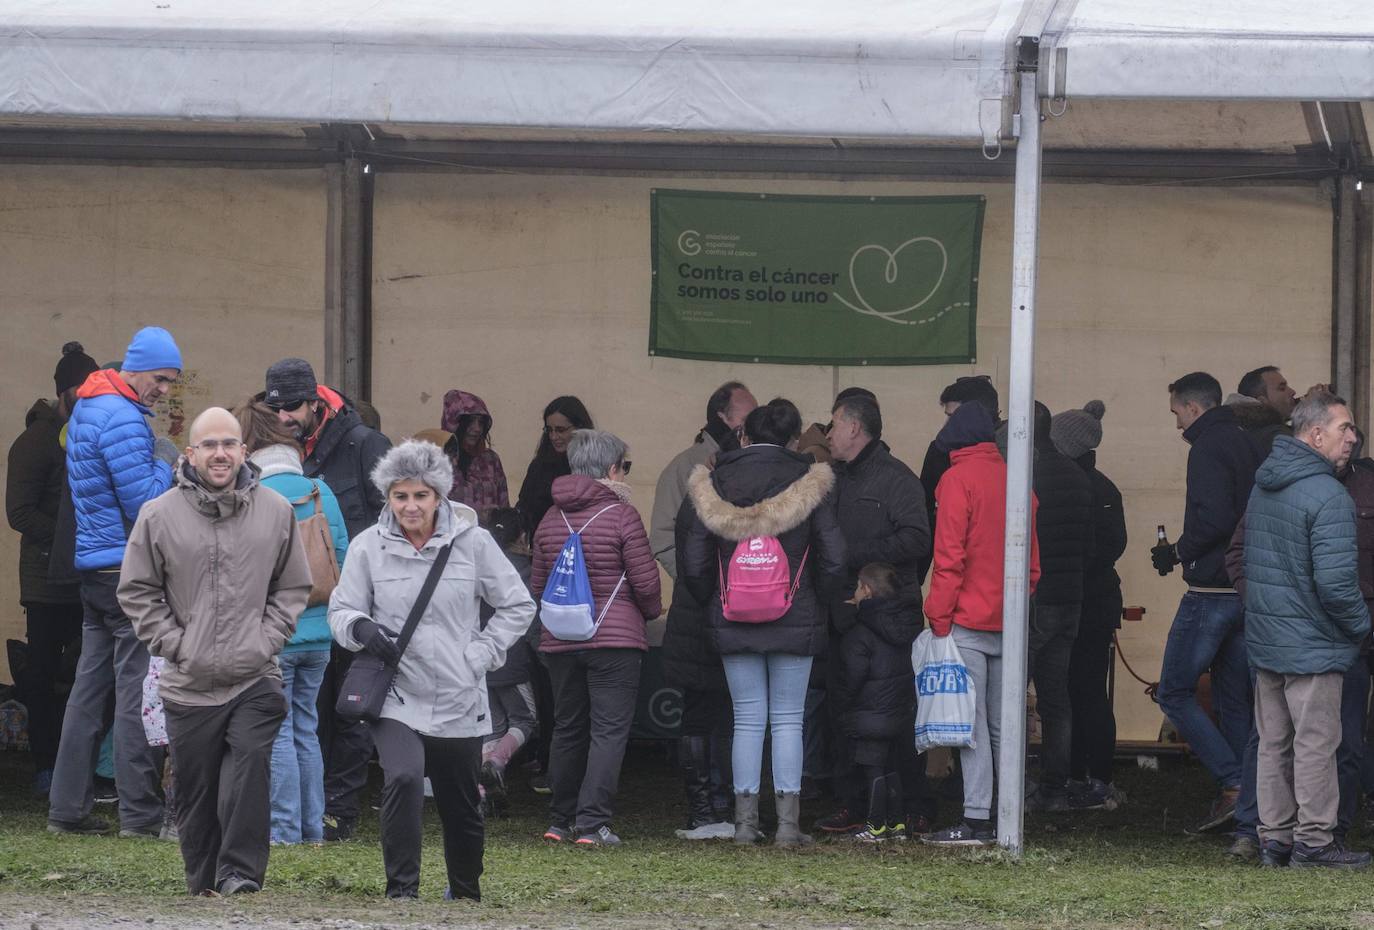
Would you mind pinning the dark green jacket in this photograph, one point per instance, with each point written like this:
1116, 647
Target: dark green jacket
1304, 613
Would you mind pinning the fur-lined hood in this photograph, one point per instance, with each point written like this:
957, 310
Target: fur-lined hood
772, 516
1251, 414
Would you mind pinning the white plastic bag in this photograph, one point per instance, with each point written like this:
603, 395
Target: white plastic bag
946, 704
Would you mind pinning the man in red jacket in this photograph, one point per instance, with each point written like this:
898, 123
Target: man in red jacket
965, 599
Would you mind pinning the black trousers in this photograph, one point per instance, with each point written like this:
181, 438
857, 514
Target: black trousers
875, 758
1053, 631
594, 705
453, 766
345, 745
1094, 725
222, 756
54, 635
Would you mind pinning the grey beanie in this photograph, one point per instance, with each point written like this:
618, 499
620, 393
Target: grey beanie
289, 381
1076, 432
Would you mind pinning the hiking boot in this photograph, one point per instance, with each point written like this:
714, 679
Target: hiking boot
1331, 856
1093, 795
104, 791
86, 826
1221, 815
557, 834
918, 825
601, 836
1048, 798
539, 784
842, 821
237, 884
493, 779
1274, 855
1244, 848
339, 829
967, 833
747, 830
789, 833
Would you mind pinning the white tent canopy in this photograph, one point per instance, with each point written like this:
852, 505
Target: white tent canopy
909, 69
1223, 50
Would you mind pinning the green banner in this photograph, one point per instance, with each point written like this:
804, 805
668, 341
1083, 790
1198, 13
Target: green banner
815, 280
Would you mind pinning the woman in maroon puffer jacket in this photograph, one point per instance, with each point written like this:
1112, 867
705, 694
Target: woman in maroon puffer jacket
595, 681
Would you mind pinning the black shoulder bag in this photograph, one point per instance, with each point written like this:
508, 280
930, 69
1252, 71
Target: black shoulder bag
368, 680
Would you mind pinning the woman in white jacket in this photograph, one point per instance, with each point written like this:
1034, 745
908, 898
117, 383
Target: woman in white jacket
435, 718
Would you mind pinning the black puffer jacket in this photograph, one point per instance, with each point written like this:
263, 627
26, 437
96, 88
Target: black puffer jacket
881, 509
343, 458
690, 661
1262, 423
875, 668
1101, 583
33, 492
1221, 472
1063, 526
766, 490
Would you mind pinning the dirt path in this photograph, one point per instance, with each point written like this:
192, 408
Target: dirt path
275, 912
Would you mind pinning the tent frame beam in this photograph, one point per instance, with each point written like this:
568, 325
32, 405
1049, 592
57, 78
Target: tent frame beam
335, 143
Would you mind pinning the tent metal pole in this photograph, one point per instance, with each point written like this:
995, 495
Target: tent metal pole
353, 326
1345, 350
1011, 765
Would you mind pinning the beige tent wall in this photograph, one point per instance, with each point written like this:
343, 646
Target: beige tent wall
520, 288
231, 261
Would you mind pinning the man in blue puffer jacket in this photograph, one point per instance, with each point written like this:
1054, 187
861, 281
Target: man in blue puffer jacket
114, 466
1305, 617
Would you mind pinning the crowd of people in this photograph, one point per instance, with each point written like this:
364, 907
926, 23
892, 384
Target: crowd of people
220, 595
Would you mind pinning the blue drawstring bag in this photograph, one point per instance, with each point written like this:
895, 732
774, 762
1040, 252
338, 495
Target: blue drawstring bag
567, 608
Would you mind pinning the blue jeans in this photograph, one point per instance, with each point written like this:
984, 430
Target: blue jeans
769, 692
297, 764
1209, 633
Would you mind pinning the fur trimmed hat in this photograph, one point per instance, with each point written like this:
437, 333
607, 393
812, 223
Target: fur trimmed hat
414, 460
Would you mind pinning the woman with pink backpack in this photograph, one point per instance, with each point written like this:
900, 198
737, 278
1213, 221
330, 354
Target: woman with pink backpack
765, 554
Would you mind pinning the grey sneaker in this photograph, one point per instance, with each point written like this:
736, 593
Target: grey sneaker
134, 833
1331, 856
601, 837
237, 884
1244, 848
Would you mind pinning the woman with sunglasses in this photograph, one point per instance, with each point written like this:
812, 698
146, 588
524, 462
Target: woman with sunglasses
595, 680
561, 417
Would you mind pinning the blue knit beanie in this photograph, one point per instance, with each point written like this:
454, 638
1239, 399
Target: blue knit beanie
152, 348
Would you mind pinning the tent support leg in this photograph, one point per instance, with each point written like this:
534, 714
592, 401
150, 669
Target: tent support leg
1020, 413
1345, 345
347, 274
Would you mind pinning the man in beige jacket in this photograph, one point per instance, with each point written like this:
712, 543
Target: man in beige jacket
214, 578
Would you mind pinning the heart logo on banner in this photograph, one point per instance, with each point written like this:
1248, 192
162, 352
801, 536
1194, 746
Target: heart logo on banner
891, 274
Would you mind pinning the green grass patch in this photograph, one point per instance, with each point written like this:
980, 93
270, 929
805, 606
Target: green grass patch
1129, 868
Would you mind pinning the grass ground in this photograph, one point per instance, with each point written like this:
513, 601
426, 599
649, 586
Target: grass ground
1129, 868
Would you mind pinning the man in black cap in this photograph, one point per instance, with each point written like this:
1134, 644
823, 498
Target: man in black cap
339, 448
341, 451
34, 485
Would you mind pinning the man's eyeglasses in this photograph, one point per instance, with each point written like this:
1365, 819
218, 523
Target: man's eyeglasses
208, 446
290, 406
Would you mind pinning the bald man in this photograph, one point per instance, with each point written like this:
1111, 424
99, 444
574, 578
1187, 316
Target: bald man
214, 578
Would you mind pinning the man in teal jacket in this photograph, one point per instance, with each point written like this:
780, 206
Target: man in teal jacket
1304, 619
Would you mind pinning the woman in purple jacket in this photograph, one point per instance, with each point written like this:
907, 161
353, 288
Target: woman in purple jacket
595, 680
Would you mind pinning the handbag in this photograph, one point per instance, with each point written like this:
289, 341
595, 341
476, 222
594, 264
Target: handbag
369, 679
318, 542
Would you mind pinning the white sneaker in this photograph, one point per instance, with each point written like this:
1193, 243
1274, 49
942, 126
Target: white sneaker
710, 831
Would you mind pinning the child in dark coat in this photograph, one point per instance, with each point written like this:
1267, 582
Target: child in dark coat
875, 658
509, 692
